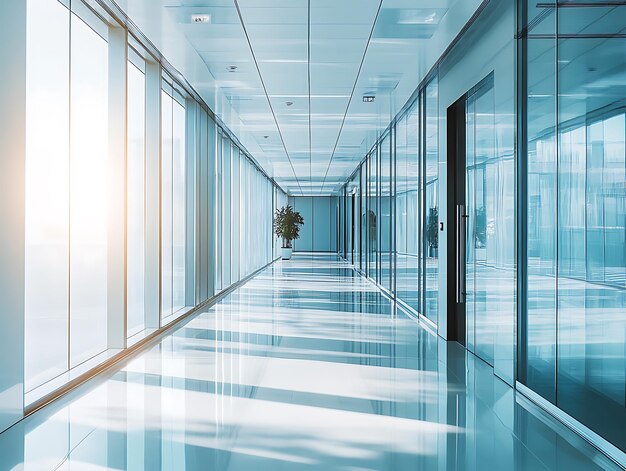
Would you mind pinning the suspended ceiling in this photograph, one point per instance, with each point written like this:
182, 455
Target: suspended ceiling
288, 77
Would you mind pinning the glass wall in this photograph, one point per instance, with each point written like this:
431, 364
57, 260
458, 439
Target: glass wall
226, 210
490, 183
409, 232
235, 220
173, 203
66, 185
573, 335
349, 230
387, 235
88, 191
386, 206
136, 174
406, 194
431, 215
363, 213
246, 205
372, 215
47, 192
179, 206
219, 188
354, 217
185, 196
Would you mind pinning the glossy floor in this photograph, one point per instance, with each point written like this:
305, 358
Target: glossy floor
302, 368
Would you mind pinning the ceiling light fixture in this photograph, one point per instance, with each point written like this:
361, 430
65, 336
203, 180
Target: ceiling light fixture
232, 68
289, 103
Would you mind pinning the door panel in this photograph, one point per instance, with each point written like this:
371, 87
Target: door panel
482, 188
475, 199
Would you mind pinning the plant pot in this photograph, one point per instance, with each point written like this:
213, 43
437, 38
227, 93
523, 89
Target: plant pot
286, 252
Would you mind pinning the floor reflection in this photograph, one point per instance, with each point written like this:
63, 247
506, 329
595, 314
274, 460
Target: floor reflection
302, 368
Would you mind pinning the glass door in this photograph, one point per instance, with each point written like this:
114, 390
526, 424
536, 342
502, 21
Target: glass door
481, 278
482, 223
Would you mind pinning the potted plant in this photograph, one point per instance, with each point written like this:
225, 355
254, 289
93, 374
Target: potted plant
287, 224
432, 232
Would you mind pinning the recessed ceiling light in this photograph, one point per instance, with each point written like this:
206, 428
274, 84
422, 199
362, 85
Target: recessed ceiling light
200, 18
265, 137
232, 68
289, 103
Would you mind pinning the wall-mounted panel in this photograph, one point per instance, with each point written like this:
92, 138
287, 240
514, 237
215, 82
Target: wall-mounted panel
319, 232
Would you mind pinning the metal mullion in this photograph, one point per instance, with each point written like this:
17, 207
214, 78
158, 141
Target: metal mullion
557, 148
392, 190
521, 197
422, 219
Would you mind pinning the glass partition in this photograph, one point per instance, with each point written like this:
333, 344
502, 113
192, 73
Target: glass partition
431, 216
573, 335
386, 206
47, 192
136, 174
88, 191
177, 204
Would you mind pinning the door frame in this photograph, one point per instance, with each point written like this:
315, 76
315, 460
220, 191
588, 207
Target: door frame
456, 163
456, 212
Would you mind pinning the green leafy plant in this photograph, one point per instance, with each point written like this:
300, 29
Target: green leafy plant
432, 228
287, 224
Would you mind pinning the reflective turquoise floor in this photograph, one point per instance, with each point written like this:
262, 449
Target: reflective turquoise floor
302, 368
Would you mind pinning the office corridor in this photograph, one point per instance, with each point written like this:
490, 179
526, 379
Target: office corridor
303, 367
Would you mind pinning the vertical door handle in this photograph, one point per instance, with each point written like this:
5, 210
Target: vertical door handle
461, 231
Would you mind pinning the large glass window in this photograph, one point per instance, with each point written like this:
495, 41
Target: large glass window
173, 204
67, 190
179, 207
47, 192
167, 147
88, 192
136, 165
73, 239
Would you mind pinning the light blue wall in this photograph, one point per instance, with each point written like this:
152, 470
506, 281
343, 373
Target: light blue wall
319, 232
305, 207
